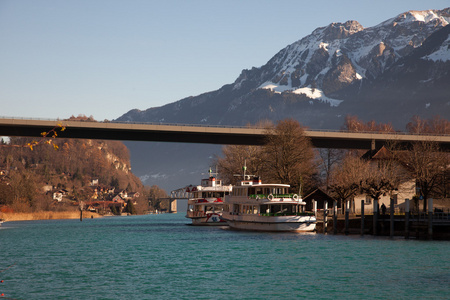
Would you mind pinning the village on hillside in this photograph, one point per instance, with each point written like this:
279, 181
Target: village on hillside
104, 200
97, 198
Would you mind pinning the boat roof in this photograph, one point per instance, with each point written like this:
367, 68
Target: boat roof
199, 188
263, 185
244, 200
205, 201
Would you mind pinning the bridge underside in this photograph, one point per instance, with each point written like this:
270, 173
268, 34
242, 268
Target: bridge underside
205, 135
74, 132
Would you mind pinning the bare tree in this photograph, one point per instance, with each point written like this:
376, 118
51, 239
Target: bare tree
327, 159
436, 125
288, 154
353, 124
428, 164
235, 157
347, 178
154, 194
380, 179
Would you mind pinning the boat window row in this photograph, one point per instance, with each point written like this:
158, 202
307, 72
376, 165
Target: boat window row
265, 209
259, 191
267, 190
205, 208
211, 194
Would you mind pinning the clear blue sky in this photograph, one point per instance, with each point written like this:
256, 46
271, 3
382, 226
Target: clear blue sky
104, 57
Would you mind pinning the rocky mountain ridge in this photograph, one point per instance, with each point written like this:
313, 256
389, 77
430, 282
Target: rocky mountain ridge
387, 73
332, 65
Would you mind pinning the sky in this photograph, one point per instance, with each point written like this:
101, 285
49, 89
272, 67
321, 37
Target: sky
102, 58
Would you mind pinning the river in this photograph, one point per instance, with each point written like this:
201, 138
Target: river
160, 257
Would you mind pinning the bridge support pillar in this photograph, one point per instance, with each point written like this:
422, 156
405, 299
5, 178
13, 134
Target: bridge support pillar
172, 205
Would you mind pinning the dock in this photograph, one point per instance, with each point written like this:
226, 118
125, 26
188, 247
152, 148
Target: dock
426, 226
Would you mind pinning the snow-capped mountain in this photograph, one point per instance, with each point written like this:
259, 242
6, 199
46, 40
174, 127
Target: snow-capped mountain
333, 65
387, 73
341, 54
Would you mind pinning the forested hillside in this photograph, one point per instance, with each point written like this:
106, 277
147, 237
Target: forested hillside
30, 175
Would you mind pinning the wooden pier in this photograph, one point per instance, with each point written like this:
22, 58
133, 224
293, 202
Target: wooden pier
429, 225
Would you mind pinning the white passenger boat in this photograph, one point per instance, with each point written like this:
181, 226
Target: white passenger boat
266, 207
205, 203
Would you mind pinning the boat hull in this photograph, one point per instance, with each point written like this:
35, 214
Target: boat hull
213, 219
261, 223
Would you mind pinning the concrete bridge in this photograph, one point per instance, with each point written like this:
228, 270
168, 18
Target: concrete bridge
203, 134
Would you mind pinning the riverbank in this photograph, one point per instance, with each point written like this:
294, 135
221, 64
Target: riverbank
47, 215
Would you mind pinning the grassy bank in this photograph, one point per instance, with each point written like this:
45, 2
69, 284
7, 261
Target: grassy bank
46, 215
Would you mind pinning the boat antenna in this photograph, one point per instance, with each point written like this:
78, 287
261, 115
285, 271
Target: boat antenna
211, 173
244, 171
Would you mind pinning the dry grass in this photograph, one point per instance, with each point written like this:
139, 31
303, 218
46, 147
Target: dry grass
46, 215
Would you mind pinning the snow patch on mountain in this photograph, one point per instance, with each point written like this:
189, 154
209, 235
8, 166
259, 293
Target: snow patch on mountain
442, 54
318, 95
425, 16
275, 87
309, 92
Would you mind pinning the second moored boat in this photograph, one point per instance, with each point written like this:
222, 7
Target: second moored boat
255, 206
205, 203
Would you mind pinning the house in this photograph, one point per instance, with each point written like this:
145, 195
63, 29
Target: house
406, 188
118, 198
133, 195
320, 196
47, 188
59, 194
103, 207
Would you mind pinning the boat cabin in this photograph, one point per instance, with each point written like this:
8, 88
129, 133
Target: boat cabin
251, 197
207, 197
285, 209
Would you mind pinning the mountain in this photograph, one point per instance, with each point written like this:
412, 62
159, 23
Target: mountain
386, 73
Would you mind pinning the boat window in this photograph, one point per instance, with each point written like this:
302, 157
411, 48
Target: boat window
210, 208
264, 209
275, 209
241, 192
255, 209
288, 208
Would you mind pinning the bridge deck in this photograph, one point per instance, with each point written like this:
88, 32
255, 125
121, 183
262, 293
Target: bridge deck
204, 134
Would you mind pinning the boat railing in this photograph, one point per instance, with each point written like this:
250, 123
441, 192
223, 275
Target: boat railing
286, 214
195, 214
423, 216
273, 196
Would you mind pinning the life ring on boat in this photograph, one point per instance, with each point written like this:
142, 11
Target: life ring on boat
295, 197
270, 197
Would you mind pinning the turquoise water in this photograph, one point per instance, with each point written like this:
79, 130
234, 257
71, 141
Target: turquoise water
159, 257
